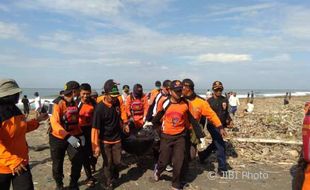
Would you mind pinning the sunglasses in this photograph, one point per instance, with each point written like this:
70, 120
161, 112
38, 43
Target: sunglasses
218, 90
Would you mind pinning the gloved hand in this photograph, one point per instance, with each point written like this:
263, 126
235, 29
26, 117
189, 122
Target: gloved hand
147, 124
131, 120
82, 138
74, 141
202, 142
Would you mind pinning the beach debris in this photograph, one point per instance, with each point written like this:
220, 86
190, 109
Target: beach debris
271, 141
270, 135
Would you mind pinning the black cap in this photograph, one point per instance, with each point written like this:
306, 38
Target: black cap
176, 85
158, 84
217, 85
110, 87
166, 83
189, 83
126, 87
70, 86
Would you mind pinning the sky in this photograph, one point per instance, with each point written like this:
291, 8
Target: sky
255, 44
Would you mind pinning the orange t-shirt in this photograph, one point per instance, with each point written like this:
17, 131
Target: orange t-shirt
13, 145
306, 184
86, 115
175, 119
153, 95
199, 107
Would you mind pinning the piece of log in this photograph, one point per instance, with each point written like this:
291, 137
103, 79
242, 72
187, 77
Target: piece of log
272, 141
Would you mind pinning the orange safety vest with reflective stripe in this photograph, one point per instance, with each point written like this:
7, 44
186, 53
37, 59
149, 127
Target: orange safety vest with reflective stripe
58, 128
139, 114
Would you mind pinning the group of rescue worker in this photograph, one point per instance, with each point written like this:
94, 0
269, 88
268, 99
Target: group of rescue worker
86, 125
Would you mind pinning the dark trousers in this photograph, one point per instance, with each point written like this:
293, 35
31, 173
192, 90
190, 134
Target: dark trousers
111, 154
172, 147
190, 154
88, 158
26, 109
233, 109
217, 144
58, 149
155, 148
156, 144
19, 182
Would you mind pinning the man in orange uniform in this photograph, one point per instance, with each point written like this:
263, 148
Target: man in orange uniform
152, 111
154, 92
158, 101
66, 135
306, 183
176, 116
86, 106
136, 106
14, 159
200, 108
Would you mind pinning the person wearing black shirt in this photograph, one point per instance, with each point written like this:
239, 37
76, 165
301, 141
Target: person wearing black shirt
220, 106
25, 102
106, 132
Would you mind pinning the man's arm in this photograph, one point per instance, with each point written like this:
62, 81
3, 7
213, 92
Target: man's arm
196, 127
208, 112
56, 123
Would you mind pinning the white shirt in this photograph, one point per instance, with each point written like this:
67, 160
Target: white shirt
234, 101
37, 103
250, 107
208, 94
124, 97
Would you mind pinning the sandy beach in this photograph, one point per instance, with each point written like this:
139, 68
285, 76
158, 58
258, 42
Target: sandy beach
268, 172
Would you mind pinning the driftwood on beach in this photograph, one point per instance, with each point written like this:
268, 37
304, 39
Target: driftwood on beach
272, 141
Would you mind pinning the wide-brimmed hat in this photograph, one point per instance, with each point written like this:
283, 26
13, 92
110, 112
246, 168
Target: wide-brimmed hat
8, 87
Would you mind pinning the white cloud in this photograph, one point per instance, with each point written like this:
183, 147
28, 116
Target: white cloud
251, 9
98, 8
224, 13
163, 67
223, 58
95, 8
146, 7
59, 36
10, 31
4, 8
297, 23
277, 58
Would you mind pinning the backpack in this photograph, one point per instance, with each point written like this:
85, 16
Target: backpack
136, 106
